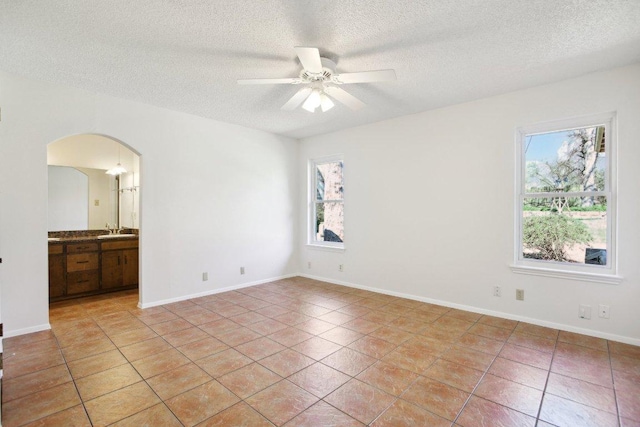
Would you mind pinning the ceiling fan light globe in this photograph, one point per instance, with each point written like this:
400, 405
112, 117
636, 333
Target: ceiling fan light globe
312, 102
326, 103
309, 108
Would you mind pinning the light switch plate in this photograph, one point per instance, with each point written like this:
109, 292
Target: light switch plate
584, 312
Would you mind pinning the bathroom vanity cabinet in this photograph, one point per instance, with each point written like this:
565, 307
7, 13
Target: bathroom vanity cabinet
92, 266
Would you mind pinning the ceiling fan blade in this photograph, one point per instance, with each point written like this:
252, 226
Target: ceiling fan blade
292, 81
366, 76
310, 59
344, 97
297, 99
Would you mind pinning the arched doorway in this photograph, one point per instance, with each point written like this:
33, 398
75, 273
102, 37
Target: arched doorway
93, 222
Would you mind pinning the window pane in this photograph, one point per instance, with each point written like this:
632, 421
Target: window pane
565, 229
319, 185
565, 161
329, 225
329, 184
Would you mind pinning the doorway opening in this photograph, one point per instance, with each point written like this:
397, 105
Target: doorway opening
93, 225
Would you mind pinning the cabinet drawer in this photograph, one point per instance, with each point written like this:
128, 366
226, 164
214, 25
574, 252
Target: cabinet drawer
82, 281
55, 249
120, 244
82, 262
82, 247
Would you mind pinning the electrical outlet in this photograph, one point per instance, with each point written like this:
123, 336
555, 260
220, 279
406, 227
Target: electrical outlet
309, 264
497, 291
584, 312
205, 276
520, 294
241, 270
341, 267
603, 311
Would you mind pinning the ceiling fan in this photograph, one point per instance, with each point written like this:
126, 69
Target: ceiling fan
320, 82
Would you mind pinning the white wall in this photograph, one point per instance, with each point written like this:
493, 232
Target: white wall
214, 196
429, 205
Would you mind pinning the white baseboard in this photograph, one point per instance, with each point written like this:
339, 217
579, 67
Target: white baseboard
568, 328
29, 330
214, 291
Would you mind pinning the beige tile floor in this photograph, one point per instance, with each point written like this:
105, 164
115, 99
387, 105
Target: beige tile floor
299, 352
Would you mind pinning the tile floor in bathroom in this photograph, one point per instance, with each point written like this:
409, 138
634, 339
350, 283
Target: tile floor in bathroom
299, 352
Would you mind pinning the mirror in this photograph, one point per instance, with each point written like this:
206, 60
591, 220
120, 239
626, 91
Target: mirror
81, 195
81, 199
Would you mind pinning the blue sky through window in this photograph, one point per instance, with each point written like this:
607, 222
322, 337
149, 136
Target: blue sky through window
544, 147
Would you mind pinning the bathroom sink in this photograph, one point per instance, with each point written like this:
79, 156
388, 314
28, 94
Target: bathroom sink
53, 239
114, 236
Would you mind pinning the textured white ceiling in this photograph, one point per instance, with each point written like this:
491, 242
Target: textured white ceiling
187, 54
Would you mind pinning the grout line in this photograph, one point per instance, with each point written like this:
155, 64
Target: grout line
546, 382
613, 381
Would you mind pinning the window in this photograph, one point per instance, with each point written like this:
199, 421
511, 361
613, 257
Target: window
566, 202
327, 202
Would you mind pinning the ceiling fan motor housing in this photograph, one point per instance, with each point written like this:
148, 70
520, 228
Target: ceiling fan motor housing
328, 70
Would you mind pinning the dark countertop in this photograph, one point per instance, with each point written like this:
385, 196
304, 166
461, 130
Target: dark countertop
73, 239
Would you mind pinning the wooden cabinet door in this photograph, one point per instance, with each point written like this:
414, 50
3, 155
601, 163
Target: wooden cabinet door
111, 269
57, 279
130, 267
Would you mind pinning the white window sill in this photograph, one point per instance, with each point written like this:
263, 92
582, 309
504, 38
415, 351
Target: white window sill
329, 248
609, 279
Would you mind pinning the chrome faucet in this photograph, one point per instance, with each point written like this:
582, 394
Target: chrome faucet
114, 230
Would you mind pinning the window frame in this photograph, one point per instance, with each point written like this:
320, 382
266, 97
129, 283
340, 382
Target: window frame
313, 200
584, 272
